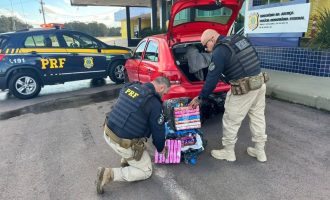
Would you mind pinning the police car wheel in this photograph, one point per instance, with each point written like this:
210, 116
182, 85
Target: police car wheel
116, 72
24, 85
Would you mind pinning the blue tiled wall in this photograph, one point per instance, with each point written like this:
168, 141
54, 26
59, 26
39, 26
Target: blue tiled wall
296, 60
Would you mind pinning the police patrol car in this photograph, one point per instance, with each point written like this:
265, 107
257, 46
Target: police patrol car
32, 58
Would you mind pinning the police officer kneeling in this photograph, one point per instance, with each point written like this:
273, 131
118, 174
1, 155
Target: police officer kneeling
136, 115
236, 58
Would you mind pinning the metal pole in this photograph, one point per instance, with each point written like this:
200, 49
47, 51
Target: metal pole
128, 26
42, 10
12, 16
153, 14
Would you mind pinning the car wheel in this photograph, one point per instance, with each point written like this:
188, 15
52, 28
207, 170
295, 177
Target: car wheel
96, 82
221, 102
117, 71
213, 106
24, 85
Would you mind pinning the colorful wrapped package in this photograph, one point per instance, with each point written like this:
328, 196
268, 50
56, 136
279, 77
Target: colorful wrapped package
168, 106
186, 118
183, 137
173, 153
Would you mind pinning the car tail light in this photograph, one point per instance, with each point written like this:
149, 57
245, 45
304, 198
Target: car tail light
2, 56
174, 79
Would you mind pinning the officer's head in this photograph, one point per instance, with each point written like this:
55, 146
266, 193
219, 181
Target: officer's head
162, 85
209, 38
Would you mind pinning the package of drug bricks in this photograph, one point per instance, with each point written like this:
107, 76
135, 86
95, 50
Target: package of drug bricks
183, 137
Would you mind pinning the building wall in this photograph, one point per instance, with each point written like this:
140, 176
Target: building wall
295, 60
145, 23
316, 6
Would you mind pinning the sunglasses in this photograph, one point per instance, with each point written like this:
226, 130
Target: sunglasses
205, 46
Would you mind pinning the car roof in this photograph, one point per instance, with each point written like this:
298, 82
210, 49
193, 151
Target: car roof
24, 32
160, 36
36, 30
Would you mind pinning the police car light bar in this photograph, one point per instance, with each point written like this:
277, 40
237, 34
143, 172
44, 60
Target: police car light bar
53, 25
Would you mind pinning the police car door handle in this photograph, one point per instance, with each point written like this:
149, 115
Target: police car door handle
74, 54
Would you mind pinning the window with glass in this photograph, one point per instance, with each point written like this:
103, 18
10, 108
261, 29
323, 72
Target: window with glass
41, 41
139, 50
203, 13
3, 42
267, 2
182, 16
79, 41
152, 52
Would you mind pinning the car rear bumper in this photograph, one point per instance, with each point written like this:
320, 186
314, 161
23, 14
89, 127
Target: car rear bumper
191, 91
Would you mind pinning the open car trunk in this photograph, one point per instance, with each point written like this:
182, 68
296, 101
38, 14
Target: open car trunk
181, 60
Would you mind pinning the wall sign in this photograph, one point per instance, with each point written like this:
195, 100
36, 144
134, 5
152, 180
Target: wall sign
282, 19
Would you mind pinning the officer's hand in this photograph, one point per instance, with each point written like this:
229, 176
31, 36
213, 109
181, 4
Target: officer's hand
194, 103
165, 151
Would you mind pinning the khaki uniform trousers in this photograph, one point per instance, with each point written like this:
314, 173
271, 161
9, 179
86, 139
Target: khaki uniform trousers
137, 170
237, 107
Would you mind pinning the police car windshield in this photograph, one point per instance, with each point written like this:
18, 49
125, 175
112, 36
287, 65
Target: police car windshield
203, 13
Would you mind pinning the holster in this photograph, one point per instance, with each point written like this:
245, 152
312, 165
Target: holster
137, 145
138, 148
246, 84
266, 76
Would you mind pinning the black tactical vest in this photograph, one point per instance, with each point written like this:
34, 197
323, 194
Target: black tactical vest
128, 114
244, 60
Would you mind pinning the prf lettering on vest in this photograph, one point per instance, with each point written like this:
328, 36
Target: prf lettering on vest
131, 93
52, 63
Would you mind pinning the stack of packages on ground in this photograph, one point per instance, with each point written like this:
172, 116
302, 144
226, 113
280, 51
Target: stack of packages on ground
183, 136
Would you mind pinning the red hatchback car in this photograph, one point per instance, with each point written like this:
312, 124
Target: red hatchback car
164, 54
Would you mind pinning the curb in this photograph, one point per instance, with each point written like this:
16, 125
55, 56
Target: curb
318, 102
63, 103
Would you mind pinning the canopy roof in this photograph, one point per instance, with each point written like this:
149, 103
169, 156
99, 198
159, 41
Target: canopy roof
131, 3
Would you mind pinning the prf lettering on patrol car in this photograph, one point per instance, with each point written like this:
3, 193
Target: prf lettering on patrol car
52, 63
131, 93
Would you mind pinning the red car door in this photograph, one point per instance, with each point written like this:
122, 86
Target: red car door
132, 64
148, 68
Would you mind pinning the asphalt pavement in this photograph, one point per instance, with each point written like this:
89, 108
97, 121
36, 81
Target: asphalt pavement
51, 146
302, 89
55, 154
61, 96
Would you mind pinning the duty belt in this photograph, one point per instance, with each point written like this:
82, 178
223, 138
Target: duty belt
125, 143
246, 84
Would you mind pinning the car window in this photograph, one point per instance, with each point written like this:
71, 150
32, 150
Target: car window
152, 52
203, 13
139, 50
79, 41
3, 41
41, 41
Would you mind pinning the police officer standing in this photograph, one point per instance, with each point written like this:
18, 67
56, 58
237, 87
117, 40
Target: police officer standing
136, 115
237, 60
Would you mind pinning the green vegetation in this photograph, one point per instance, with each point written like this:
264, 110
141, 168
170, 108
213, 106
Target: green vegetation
323, 30
239, 22
95, 29
9, 23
